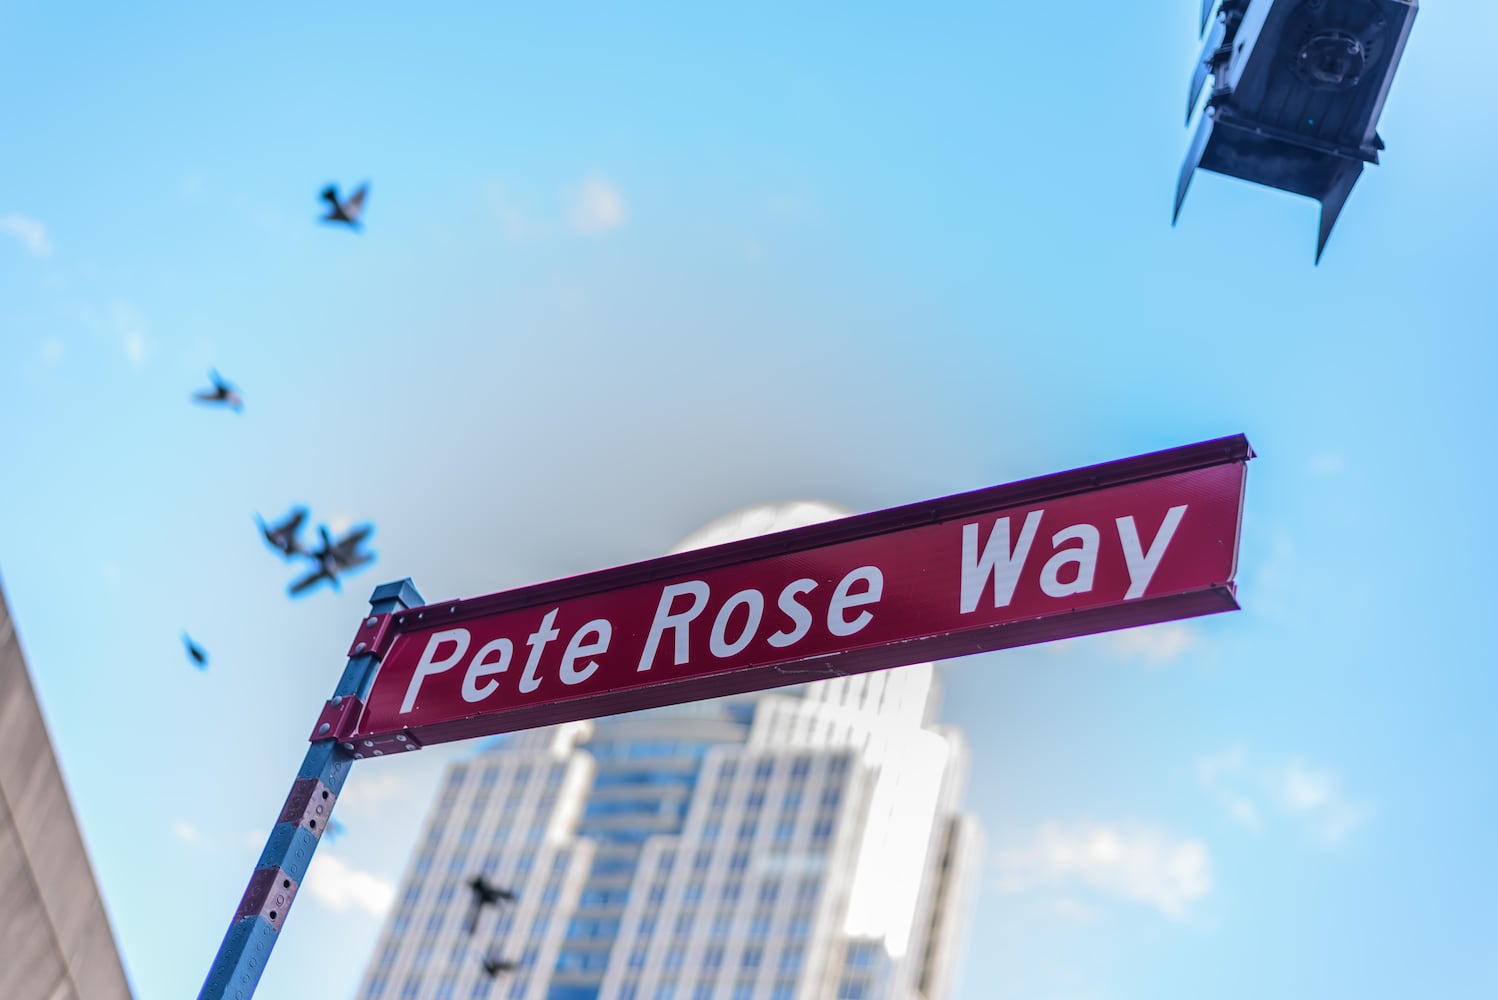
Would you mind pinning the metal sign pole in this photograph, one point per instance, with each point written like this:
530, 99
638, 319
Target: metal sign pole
283, 864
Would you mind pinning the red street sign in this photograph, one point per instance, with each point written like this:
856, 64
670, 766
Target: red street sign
1141, 540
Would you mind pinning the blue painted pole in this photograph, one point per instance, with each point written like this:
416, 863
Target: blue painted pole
283, 864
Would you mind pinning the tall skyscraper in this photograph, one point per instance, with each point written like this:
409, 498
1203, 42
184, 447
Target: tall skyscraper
802, 844
55, 941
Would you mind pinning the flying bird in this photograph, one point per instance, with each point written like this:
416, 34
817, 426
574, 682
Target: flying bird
195, 652
485, 893
283, 536
221, 393
493, 965
347, 210
333, 558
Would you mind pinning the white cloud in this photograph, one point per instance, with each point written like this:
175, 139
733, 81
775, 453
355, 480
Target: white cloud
1316, 797
1309, 797
1157, 645
1133, 862
596, 207
129, 324
340, 886
51, 351
1221, 775
31, 234
185, 832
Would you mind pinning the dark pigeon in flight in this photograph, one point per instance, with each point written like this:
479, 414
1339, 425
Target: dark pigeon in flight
283, 536
222, 393
195, 652
345, 210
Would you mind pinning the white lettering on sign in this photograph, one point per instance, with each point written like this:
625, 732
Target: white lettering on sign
718, 642
429, 664
1084, 558
1002, 564
1071, 569
577, 648
843, 598
730, 625
676, 621
482, 666
1142, 565
530, 680
795, 611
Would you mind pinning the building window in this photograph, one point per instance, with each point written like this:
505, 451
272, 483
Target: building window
693, 892
783, 991
752, 954
731, 890
769, 891
702, 860
665, 991
851, 989
785, 830
763, 768
412, 989
712, 958
738, 861
376, 988
759, 927
790, 959
746, 830
674, 957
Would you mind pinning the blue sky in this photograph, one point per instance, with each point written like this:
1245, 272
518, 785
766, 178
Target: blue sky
626, 270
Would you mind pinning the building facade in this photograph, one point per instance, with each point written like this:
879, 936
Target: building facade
807, 843
55, 939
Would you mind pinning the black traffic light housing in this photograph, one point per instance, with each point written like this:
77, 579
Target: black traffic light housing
1297, 89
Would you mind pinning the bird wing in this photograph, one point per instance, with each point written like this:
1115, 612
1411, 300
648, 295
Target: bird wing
355, 203
292, 522
308, 582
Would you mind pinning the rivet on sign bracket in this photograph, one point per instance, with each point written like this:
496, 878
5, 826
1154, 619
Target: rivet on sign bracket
339, 717
383, 746
269, 896
373, 638
309, 806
